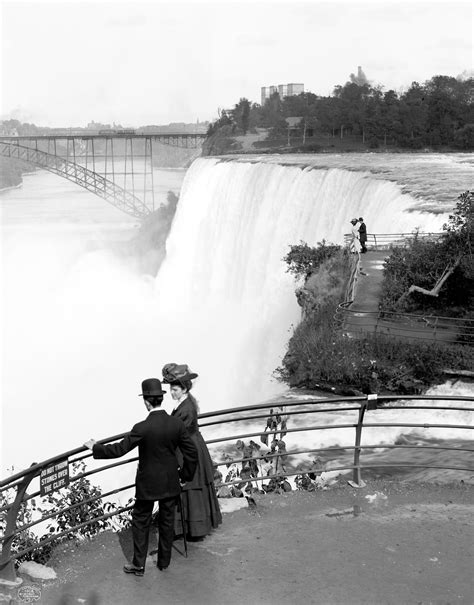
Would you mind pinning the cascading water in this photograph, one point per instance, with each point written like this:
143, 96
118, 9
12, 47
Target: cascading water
223, 285
82, 329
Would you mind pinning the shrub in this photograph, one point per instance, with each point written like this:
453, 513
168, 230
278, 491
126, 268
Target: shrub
317, 357
423, 262
303, 260
75, 493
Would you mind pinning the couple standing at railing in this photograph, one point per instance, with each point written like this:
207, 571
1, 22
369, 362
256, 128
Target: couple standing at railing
174, 468
359, 236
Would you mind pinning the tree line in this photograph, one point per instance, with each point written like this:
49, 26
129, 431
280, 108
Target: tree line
438, 113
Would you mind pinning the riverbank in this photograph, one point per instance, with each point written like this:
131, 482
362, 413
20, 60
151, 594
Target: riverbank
260, 141
11, 173
390, 543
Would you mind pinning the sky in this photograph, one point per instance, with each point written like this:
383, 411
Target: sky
66, 63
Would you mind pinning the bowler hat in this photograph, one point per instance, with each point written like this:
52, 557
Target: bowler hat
151, 387
172, 372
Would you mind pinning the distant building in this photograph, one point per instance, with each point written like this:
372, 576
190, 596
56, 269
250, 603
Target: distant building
284, 90
97, 126
298, 126
293, 122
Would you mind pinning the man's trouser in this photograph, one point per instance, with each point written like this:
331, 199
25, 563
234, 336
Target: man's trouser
141, 521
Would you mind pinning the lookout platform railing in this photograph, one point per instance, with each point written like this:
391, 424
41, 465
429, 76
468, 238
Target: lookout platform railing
358, 414
384, 241
408, 326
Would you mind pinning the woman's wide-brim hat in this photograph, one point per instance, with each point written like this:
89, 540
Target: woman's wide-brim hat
173, 372
151, 387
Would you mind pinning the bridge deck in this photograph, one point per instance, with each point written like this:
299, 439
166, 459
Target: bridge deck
86, 135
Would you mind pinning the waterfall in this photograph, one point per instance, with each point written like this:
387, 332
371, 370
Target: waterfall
223, 287
83, 328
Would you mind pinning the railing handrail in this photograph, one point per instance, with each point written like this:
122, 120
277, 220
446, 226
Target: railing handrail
22, 480
383, 239
36, 467
425, 317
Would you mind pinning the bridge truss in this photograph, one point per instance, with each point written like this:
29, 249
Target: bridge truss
118, 168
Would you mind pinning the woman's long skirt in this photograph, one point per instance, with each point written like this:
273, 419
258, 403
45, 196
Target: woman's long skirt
201, 510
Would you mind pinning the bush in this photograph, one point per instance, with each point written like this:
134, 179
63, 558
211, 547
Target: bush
222, 141
423, 262
464, 137
303, 260
317, 357
75, 493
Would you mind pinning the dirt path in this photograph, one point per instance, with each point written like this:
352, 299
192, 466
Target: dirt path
406, 543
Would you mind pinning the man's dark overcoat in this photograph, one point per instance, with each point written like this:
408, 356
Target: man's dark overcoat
157, 438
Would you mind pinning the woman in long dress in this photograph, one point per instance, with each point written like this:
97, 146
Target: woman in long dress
201, 510
355, 246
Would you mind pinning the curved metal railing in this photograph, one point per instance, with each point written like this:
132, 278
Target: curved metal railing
405, 325
383, 241
349, 413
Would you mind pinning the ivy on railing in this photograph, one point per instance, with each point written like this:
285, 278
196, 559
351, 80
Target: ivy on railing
79, 504
256, 464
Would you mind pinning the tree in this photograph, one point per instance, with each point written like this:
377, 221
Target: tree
241, 115
464, 137
272, 113
450, 107
353, 101
460, 230
390, 116
414, 115
223, 120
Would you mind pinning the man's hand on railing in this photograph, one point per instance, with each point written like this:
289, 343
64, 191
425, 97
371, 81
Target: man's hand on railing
90, 444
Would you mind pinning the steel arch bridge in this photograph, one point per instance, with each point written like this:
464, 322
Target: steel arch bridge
116, 167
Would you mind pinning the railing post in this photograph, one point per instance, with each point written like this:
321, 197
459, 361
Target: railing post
369, 404
7, 567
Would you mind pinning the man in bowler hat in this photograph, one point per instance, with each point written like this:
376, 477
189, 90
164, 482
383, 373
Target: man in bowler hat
362, 235
158, 474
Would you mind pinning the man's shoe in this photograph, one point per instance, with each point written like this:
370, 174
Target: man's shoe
162, 567
138, 571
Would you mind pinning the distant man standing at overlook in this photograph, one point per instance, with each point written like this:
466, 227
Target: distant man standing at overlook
362, 235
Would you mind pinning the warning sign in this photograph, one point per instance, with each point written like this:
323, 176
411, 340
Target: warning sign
54, 477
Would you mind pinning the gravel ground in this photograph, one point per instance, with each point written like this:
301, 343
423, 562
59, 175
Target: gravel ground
389, 543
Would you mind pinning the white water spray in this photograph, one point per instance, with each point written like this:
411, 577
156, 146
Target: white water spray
223, 286
82, 330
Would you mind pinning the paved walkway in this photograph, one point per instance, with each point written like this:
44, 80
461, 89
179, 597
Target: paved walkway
388, 544
369, 282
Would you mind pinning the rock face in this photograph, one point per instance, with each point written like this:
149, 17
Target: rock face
318, 288
11, 172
